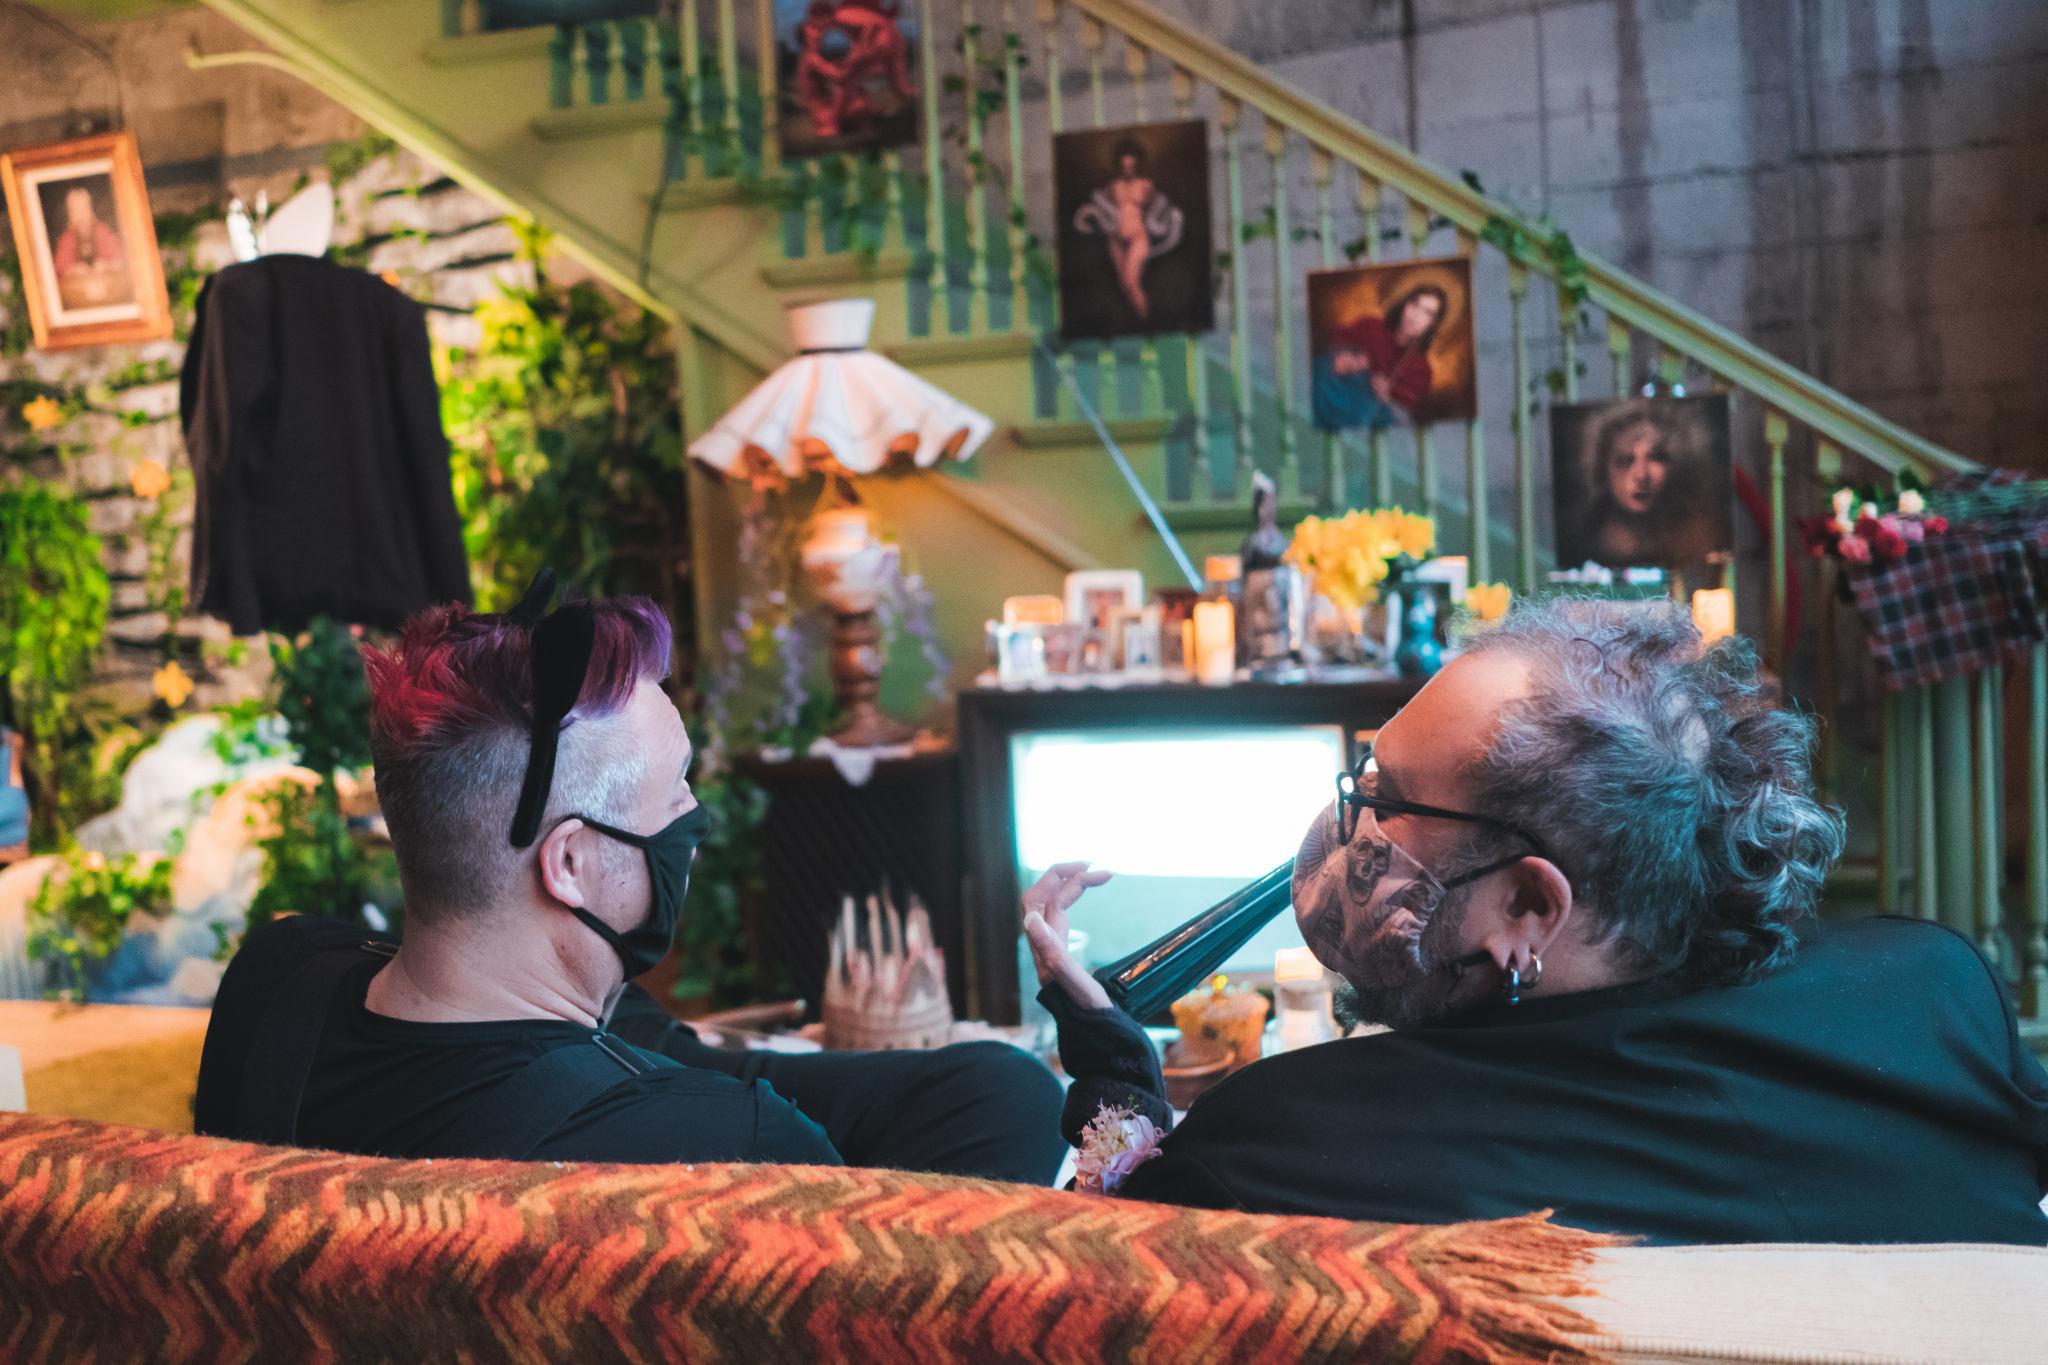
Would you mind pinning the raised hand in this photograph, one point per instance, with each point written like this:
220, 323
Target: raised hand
1045, 928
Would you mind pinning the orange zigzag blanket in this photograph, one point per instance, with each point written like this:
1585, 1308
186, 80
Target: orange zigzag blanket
129, 1244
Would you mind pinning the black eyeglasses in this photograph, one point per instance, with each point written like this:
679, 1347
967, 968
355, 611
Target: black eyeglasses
1351, 798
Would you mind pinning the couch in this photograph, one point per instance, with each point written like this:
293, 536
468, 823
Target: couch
121, 1243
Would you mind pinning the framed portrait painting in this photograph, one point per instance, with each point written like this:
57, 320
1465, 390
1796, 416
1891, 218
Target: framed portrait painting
1643, 482
846, 76
1392, 343
1136, 255
89, 262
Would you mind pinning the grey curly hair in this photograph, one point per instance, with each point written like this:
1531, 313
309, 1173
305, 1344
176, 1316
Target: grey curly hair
1675, 795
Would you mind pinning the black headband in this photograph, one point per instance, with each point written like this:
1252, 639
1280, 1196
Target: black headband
561, 648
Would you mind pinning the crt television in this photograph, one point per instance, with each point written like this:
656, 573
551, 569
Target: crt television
1186, 793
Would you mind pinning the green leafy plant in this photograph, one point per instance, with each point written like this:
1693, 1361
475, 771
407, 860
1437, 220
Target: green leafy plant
81, 911
313, 863
53, 614
568, 445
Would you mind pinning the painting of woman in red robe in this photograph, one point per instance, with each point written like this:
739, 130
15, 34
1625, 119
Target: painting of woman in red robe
1391, 344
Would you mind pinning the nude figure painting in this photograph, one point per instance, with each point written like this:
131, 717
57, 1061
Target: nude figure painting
1135, 253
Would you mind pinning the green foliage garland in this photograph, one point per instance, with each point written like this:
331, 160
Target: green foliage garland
53, 613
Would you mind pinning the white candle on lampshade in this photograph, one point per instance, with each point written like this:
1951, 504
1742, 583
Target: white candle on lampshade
1215, 643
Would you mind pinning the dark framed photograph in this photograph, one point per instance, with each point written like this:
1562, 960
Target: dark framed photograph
1136, 255
82, 227
846, 76
1643, 482
1392, 343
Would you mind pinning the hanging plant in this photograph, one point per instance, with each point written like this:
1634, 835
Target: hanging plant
53, 615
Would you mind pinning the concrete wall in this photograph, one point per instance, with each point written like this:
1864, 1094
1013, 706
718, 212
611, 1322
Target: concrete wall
1859, 185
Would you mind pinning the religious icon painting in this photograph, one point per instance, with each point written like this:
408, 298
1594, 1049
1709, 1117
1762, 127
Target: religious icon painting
1136, 257
1392, 343
87, 244
846, 76
1643, 482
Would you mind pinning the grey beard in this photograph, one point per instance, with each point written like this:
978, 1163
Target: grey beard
1417, 980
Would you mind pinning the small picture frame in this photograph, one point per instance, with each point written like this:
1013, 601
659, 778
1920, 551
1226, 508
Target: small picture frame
1141, 646
1093, 593
1020, 653
82, 226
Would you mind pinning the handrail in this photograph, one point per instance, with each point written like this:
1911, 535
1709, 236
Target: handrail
1832, 415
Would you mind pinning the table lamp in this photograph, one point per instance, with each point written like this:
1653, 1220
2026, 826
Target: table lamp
841, 410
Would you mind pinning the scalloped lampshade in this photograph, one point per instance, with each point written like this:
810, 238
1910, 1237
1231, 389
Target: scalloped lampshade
859, 406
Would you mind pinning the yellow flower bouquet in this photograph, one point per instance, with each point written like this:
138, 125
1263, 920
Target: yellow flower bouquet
1345, 558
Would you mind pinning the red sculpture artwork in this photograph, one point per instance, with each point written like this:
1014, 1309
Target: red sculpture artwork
853, 65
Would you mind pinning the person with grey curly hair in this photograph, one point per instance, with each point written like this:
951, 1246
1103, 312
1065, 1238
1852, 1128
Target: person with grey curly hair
1577, 876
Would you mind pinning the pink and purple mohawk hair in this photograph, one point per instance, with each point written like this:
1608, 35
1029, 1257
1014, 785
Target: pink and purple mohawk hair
451, 675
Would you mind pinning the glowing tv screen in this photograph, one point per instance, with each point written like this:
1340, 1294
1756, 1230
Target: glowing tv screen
1183, 817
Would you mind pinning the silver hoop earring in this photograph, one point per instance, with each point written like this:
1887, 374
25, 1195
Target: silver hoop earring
1537, 963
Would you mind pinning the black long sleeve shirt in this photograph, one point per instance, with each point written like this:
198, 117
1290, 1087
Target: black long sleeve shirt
1875, 1090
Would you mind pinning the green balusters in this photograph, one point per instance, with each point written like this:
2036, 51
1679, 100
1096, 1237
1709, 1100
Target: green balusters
1926, 858
1055, 112
1199, 490
1568, 328
1776, 431
562, 68
1013, 100
767, 81
1426, 478
697, 156
1525, 444
934, 178
597, 61
1479, 551
1619, 340
1228, 113
1320, 167
977, 181
1381, 465
1091, 43
1283, 313
2037, 830
633, 58
1890, 753
729, 81
1990, 850
1956, 894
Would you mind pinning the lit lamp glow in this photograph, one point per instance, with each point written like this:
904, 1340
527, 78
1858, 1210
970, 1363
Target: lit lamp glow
1215, 643
1713, 611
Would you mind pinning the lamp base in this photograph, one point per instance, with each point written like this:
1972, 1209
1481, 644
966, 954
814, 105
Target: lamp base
857, 681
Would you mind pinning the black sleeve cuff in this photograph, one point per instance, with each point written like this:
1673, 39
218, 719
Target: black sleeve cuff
1111, 1060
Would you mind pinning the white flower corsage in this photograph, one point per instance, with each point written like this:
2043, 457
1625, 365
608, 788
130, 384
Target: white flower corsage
1115, 1143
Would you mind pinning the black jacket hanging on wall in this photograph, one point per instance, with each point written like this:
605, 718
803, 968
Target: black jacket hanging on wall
314, 425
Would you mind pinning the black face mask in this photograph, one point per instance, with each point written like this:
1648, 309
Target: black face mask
669, 850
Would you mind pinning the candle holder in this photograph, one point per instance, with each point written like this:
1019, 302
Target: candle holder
849, 567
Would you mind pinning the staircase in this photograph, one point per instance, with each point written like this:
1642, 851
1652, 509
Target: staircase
641, 144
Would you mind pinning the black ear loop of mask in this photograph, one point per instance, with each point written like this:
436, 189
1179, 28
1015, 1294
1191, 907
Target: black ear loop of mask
1350, 799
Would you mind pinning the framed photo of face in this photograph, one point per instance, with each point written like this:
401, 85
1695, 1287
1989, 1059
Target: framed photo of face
1092, 594
1392, 343
1642, 482
82, 226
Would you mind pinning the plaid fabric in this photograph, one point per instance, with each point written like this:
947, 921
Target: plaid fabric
1952, 606
123, 1244
1955, 605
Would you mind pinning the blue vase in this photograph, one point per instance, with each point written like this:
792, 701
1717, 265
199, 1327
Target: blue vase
1419, 655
